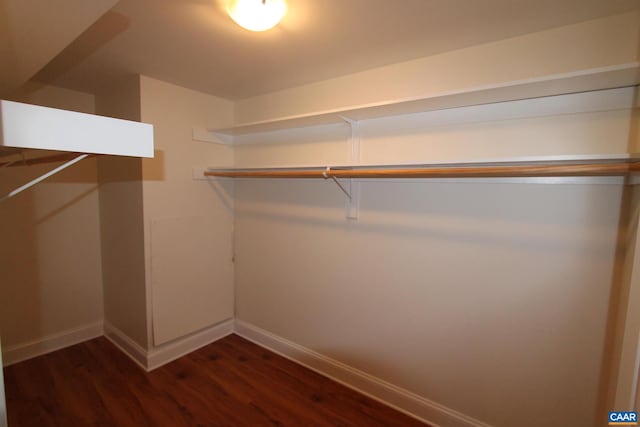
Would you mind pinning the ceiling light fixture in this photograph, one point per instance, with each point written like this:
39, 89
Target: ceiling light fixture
257, 15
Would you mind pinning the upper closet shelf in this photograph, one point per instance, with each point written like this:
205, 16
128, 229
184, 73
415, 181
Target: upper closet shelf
29, 126
557, 84
26, 126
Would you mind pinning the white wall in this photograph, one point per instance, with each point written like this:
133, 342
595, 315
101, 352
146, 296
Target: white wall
490, 297
50, 269
188, 224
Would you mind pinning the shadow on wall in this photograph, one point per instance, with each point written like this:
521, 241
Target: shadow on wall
20, 296
42, 230
8, 71
91, 40
614, 328
621, 279
154, 169
449, 211
224, 190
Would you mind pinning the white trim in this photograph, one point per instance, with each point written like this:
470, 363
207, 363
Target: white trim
161, 355
3, 404
173, 350
389, 394
147, 360
20, 352
128, 346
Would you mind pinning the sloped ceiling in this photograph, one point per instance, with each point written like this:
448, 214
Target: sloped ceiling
31, 33
193, 43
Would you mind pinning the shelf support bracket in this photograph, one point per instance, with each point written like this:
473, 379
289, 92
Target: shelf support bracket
351, 191
353, 203
344, 190
204, 135
354, 140
42, 177
326, 175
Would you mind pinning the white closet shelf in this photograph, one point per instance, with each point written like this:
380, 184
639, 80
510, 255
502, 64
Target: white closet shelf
558, 84
26, 126
550, 166
29, 126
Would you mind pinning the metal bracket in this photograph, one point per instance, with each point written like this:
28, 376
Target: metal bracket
43, 177
204, 135
352, 207
354, 140
351, 189
197, 173
341, 187
353, 201
325, 175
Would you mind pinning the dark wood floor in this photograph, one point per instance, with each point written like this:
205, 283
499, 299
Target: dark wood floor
231, 382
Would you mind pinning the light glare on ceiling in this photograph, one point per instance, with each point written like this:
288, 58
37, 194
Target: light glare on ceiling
257, 15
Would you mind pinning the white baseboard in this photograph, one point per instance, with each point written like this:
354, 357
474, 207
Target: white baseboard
169, 352
389, 394
19, 352
128, 346
161, 355
3, 402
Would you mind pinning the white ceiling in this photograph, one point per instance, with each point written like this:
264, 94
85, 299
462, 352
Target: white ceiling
193, 43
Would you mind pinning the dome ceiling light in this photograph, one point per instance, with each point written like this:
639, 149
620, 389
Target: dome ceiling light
257, 15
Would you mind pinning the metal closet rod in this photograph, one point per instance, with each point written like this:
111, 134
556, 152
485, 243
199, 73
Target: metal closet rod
54, 158
551, 170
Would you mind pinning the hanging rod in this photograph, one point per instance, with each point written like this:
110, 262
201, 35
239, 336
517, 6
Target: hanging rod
549, 170
54, 158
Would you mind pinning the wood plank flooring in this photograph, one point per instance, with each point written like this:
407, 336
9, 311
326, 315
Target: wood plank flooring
231, 382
